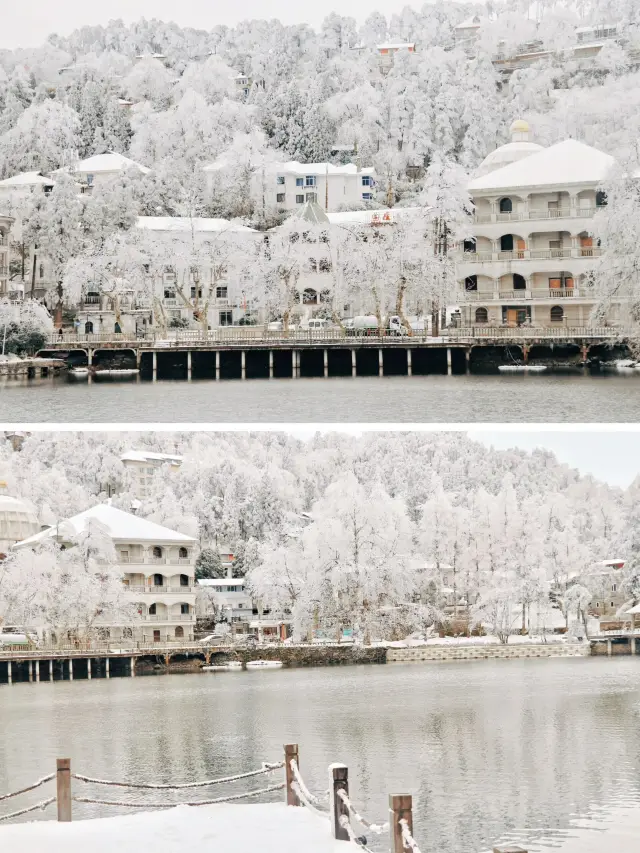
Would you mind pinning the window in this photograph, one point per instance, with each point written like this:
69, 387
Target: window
367, 196
158, 580
183, 553
222, 292
311, 197
324, 265
226, 318
89, 180
519, 282
557, 314
299, 199
366, 181
88, 328
179, 631
157, 551
280, 179
41, 270
152, 610
184, 609
309, 297
482, 315
601, 199
280, 198
614, 587
193, 293
506, 243
169, 294
471, 282
156, 636
310, 181
612, 604
506, 205
299, 182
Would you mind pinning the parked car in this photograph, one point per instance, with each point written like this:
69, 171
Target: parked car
278, 326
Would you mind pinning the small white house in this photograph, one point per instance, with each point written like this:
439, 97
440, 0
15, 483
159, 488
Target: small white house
291, 185
224, 598
101, 168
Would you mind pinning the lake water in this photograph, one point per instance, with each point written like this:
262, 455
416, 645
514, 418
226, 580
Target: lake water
490, 750
550, 398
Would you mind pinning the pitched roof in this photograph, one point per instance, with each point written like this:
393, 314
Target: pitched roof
111, 161
185, 223
144, 456
568, 162
122, 526
27, 179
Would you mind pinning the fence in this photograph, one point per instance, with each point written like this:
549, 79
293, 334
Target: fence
334, 805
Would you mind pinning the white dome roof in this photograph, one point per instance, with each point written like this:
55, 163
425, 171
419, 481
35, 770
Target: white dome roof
18, 520
506, 154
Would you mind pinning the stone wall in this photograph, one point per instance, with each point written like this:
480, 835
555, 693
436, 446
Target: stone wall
312, 655
484, 652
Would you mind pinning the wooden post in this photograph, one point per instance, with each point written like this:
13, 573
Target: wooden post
340, 782
30, 669
525, 353
63, 788
400, 808
409, 364
291, 754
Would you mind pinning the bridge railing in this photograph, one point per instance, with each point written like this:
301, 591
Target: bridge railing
233, 337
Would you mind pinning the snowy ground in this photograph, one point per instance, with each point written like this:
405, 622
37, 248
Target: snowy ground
271, 828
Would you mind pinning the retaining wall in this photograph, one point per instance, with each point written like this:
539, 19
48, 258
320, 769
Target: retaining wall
484, 652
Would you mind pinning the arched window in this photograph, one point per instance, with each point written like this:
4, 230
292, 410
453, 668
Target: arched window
179, 631
157, 551
506, 243
482, 315
158, 580
471, 282
309, 297
506, 205
88, 328
152, 610
184, 580
557, 314
183, 553
519, 282
601, 199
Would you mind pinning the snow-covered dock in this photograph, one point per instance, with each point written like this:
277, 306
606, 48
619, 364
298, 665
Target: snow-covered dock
268, 828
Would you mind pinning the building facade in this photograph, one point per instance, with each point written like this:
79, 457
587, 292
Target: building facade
5, 229
532, 248
144, 467
158, 573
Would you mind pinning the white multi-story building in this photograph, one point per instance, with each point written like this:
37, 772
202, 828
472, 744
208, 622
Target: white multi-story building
224, 598
32, 271
532, 248
144, 467
101, 168
5, 228
157, 567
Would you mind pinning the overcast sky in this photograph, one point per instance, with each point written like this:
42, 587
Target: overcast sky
27, 23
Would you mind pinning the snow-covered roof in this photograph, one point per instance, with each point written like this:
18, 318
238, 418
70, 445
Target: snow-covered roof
634, 609
10, 504
568, 162
396, 45
221, 582
468, 23
596, 27
26, 179
143, 456
122, 526
613, 562
302, 169
111, 161
512, 152
186, 223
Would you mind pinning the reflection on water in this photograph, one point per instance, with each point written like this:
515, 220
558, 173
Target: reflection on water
490, 750
561, 397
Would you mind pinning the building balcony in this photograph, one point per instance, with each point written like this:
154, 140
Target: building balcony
520, 216
174, 589
168, 617
528, 255
154, 561
553, 293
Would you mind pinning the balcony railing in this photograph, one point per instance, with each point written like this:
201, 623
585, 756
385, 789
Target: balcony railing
519, 216
535, 293
172, 589
528, 255
143, 560
168, 617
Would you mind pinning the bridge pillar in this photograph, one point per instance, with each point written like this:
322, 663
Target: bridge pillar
633, 645
449, 369
89, 674
133, 667
217, 365
9, 672
188, 365
585, 352
51, 670
36, 669
106, 668
30, 668
70, 669
154, 359
243, 365
325, 363
609, 647
409, 366
295, 364
270, 364
525, 353
467, 360
138, 358
353, 363
380, 363
89, 357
